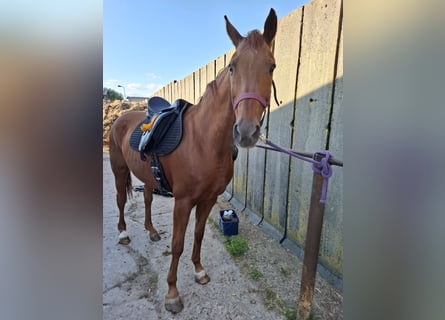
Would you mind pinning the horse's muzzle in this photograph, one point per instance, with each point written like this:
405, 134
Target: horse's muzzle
246, 133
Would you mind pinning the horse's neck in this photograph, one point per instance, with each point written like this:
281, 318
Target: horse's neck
215, 114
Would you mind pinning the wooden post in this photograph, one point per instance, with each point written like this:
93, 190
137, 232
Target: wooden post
314, 226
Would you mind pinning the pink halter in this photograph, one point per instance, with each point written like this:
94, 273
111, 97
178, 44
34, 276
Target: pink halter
249, 95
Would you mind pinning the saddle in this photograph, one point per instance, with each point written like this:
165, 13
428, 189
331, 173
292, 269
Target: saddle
161, 132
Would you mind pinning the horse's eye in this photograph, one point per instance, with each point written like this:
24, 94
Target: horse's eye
230, 69
272, 68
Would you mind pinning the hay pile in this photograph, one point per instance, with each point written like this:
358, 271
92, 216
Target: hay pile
112, 110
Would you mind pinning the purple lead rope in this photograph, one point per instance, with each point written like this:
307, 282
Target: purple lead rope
322, 167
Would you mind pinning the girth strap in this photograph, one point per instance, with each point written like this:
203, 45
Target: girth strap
159, 175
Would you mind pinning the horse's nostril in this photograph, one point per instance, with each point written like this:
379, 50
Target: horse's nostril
236, 130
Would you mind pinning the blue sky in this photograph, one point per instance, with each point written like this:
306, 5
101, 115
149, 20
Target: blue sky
147, 43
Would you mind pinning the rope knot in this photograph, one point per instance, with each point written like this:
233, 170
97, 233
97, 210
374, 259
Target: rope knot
322, 167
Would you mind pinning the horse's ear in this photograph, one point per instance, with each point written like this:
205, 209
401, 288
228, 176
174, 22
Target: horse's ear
233, 33
270, 27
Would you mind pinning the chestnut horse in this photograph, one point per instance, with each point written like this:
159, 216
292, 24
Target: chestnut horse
199, 169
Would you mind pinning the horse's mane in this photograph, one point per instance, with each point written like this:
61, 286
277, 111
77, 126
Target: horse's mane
211, 87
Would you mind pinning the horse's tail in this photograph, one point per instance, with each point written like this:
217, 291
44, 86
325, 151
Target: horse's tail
129, 187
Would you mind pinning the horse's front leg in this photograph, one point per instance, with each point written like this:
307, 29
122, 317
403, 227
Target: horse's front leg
148, 199
181, 214
202, 213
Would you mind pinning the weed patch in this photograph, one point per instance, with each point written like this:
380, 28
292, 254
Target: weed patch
236, 246
255, 274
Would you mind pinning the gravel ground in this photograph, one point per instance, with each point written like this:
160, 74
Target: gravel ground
262, 284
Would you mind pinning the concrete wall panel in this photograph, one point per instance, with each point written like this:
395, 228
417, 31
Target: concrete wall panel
286, 49
313, 104
331, 249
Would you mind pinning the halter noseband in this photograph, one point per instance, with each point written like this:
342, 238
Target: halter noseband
249, 95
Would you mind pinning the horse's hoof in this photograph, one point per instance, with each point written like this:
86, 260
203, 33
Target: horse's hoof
174, 305
124, 238
202, 277
155, 237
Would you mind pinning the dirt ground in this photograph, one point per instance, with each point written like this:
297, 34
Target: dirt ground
262, 284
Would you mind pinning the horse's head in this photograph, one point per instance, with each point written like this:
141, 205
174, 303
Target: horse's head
251, 69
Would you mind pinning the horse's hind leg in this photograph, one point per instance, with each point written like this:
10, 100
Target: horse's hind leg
148, 198
202, 212
123, 183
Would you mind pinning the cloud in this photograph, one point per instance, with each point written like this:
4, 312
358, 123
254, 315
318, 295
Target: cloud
152, 75
153, 86
139, 90
134, 89
135, 86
